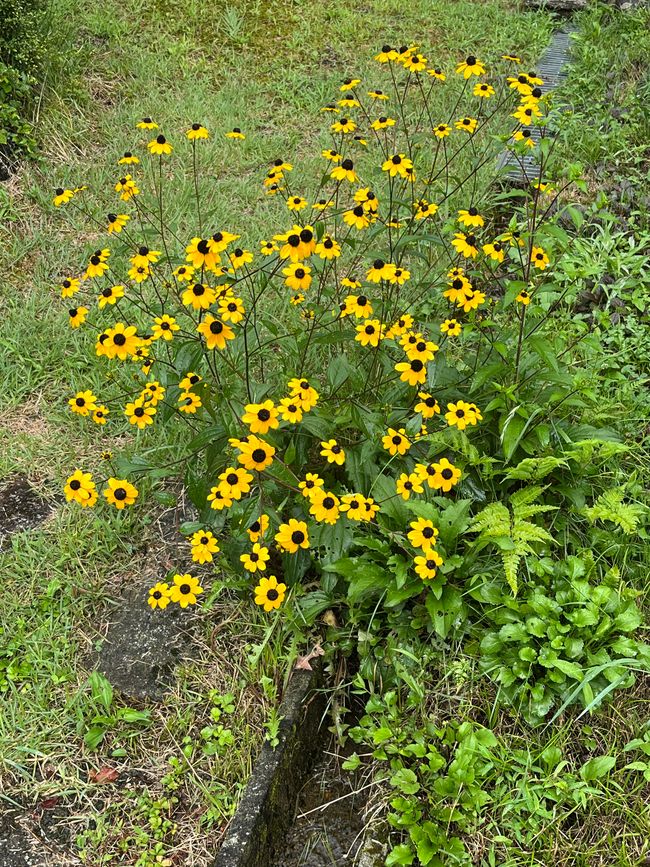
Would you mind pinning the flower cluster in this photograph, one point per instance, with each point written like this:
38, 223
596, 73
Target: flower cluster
350, 303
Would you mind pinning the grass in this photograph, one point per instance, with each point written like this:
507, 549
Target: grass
267, 69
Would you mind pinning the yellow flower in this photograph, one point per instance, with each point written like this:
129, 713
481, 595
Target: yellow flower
396, 442
62, 197
120, 493
398, 164
466, 245
460, 415
354, 506
69, 287
231, 309
164, 326
428, 406
189, 402
256, 559
127, 188
258, 528
83, 403
301, 389
201, 254
80, 488
442, 130
140, 414
121, 341
189, 381
218, 500
422, 534
290, 410
523, 297
370, 332
99, 415
298, 276
408, 484
324, 506
441, 476
412, 372
238, 258
198, 296
470, 217
216, 332
128, 159
451, 327
470, 66
77, 316
539, 258
333, 452
328, 248
311, 483
426, 566
185, 589
236, 133
483, 90
269, 594
261, 417
197, 131
110, 295
296, 203
153, 392
116, 222
159, 146
467, 124
494, 251
256, 454
159, 596
235, 482
357, 218
345, 172
292, 536
344, 125
204, 546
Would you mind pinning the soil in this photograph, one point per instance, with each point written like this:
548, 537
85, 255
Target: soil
21, 508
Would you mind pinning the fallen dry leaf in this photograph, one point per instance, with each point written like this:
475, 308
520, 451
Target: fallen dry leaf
303, 661
103, 775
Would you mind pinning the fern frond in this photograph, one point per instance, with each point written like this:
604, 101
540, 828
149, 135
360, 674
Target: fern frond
526, 495
511, 568
494, 518
528, 511
610, 507
525, 532
534, 469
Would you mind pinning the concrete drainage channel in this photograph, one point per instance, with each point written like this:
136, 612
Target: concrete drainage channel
258, 832
299, 808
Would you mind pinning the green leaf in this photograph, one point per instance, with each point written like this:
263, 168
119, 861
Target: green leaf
401, 855
542, 347
597, 767
406, 781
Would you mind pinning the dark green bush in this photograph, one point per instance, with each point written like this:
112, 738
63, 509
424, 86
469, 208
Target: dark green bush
22, 55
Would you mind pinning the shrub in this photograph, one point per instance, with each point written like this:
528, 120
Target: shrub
363, 398
22, 49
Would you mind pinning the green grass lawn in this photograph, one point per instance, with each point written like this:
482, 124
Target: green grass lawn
266, 68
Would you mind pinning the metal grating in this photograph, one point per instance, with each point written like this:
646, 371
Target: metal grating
552, 68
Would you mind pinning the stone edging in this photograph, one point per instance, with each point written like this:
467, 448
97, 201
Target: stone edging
266, 810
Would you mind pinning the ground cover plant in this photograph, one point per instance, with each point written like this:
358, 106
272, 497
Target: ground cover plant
544, 523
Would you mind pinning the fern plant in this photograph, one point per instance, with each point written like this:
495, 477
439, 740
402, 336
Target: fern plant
512, 531
609, 506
